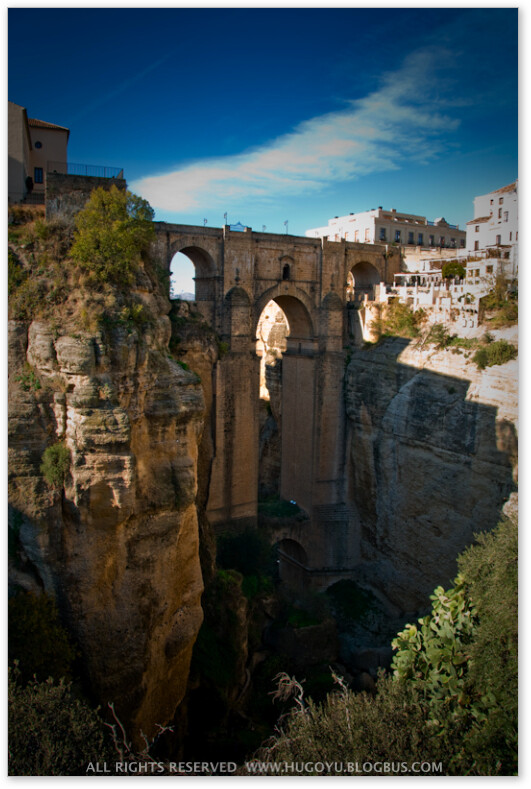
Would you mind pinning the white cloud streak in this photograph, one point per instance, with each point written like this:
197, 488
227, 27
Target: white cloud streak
397, 123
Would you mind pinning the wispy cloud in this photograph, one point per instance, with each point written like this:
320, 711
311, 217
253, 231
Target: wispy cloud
399, 122
120, 88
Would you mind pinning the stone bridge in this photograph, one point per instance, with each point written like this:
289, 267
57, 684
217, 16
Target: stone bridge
312, 280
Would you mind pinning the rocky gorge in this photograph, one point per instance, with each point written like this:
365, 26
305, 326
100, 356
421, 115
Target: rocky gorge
123, 544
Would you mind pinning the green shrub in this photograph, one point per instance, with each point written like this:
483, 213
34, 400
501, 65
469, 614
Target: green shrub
501, 304
112, 232
25, 292
452, 268
55, 464
350, 728
463, 657
36, 638
400, 320
50, 731
493, 353
29, 381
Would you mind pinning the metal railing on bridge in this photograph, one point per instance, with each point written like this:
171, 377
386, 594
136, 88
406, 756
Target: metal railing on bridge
93, 170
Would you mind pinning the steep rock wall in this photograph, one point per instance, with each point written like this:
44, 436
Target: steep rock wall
433, 453
118, 546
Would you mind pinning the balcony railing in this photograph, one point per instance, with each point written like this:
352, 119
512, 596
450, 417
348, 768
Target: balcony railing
93, 170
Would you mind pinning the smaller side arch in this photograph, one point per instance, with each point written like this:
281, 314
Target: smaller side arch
292, 563
365, 276
205, 268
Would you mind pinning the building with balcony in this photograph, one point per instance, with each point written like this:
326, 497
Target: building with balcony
32, 143
495, 222
379, 226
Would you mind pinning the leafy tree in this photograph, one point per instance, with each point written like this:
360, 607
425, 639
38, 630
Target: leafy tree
452, 268
112, 232
55, 464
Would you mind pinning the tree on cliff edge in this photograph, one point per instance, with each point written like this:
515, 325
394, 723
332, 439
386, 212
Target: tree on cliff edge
112, 232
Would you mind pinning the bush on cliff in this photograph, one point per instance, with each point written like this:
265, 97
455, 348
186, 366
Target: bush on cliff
50, 731
55, 464
398, 320
112, 232
494, 353
453, 695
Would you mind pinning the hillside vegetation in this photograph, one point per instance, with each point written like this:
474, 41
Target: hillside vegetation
452, 697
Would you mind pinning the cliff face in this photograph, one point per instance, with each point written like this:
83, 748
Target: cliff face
118, 546
432, 461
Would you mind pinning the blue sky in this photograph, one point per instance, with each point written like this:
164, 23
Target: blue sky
279, 114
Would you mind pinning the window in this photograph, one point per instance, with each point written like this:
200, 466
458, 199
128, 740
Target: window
505, 216
476, 246
492, 202
38, 177
500, 201
442, 241
477, 228
410, 237
462, 243
489, 269
498, 240
38, 144
499, 213
432, 241
367, 232
511, 236
397, 235
356, 235
452, 242
382, 234
421, 239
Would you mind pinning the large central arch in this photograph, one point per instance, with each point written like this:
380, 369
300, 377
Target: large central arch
297, 393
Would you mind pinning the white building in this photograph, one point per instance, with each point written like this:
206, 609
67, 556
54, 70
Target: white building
495, 220
379, 226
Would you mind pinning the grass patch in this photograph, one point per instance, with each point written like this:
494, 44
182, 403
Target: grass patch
278, 508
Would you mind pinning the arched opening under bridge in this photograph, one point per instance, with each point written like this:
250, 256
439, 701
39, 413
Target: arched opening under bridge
361, 281
193, 274
284, 338
292, 563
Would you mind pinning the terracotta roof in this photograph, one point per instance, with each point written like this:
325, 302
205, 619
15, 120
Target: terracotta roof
478, 220
45, 125
509, 188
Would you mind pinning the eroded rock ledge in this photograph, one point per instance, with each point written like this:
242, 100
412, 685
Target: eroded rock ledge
118, 546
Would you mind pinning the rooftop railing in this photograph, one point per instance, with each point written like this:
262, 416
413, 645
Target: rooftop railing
93, 170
